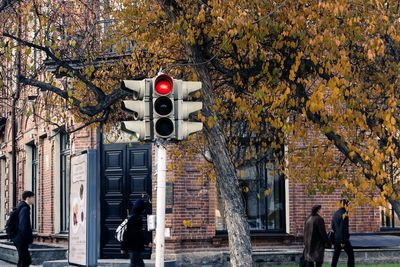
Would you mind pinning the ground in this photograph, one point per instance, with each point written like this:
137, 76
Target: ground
358, 265
6, 264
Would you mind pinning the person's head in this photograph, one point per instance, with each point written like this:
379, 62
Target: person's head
315, 210
28, 197
344, 203
138, 207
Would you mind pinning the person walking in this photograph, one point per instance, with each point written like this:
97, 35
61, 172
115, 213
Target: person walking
24, 236
315, 238
134, 238
340, 227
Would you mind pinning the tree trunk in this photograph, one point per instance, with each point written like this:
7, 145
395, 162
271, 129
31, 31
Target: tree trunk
227, 180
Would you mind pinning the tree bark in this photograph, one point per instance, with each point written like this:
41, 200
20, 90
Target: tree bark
227, 180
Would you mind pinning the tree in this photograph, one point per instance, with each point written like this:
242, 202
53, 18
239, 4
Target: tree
271, 71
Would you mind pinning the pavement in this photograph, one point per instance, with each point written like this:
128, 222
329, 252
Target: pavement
6, 264
374, 241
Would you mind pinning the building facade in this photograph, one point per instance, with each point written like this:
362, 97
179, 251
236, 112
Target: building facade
194, 211
195, 214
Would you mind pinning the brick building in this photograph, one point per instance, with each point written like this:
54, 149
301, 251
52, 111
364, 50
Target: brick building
194, 211
43, 158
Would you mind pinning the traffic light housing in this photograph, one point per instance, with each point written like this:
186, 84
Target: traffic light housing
141, 126
184, 107
163, 107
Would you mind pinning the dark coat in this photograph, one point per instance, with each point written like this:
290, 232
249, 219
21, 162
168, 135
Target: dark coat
340, 225
135, 238
24, 234
315, 239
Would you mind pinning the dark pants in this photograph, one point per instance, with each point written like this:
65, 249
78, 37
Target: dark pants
348, 248
311, 264
24, 257
136, 259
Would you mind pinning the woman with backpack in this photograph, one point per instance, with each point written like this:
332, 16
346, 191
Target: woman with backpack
134, 239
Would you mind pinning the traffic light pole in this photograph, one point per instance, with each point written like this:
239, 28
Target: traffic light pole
160, 228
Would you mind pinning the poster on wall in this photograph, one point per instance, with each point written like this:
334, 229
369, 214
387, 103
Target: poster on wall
78, 210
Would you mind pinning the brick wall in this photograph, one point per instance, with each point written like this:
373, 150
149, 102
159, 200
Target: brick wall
362, 219
195, 197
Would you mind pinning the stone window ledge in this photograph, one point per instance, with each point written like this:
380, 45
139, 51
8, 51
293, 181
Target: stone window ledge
61, 235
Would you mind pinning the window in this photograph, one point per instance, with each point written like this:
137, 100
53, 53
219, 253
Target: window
64, 181
35, 169
389, 220
2, 192
263, 192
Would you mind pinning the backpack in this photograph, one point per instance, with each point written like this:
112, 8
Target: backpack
121, 230
12, 224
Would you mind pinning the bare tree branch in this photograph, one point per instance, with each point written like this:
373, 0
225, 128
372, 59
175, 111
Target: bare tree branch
105, 103
96, 90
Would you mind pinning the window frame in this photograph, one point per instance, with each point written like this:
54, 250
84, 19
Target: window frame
282, 195
34, 186
384, 218
64, 181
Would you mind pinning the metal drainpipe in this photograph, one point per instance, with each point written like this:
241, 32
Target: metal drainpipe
16, 96
14, 149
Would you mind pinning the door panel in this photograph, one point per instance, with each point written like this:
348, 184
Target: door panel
126, 177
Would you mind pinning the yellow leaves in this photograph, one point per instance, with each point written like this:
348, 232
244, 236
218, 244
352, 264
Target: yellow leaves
315, 106
201, 18
267, 192
295, 66
375, 48
72, 43
370, 54
210, 122
187, 223
389, 119
313, 58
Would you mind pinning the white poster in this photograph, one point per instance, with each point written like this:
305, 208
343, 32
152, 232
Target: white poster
78, 210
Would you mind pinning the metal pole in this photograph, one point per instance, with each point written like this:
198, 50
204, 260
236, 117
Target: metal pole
160, 228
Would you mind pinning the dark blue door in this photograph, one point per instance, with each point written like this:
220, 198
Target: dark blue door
126, 176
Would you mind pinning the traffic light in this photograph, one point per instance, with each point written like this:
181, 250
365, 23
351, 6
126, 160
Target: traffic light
140, 108
183, 109
163, 107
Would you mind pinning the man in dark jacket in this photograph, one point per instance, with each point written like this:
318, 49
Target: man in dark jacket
340, 226
24, 235
134, 238
315, 238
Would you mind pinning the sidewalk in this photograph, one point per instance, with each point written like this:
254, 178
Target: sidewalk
6, 264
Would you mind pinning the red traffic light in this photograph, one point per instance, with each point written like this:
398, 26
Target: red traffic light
163, 84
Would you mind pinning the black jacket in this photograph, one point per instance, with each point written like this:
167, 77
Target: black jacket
135, 238
24, 234
340, 225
